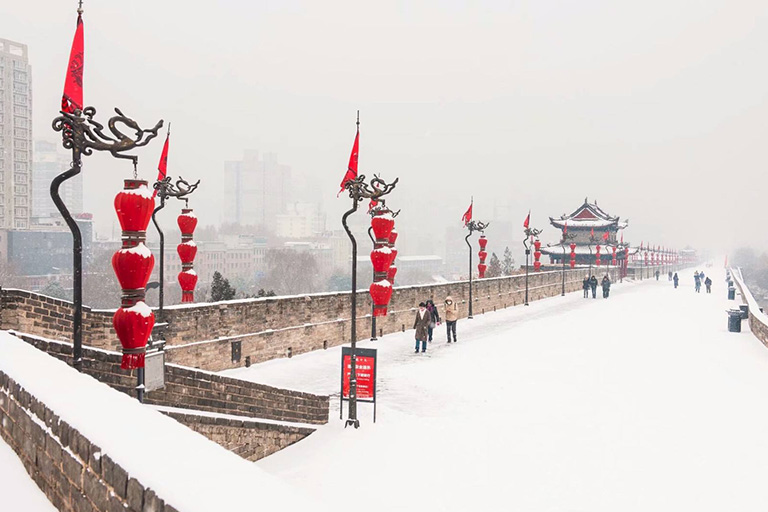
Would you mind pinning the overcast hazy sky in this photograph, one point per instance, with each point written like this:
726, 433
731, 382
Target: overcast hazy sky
658, 109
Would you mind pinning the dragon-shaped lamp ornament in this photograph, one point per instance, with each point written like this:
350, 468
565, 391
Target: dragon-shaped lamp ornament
83, 135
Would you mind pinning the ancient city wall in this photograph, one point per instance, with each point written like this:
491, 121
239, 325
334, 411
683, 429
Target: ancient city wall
758, 321
217, 336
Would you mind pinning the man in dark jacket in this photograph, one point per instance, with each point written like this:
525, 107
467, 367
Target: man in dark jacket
708, 284
593, 285
585, 286
606, 283
421, 324
676, 279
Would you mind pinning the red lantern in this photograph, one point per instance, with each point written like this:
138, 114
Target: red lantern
187, 221
382, 224
392, 237
133, 264
381, 258
133, 326
613, 257
134, 205
483, 242
393, 250
481, 268
573, 255
391, 272
187, 250
381, 292
482, 255
537, 255
597, 255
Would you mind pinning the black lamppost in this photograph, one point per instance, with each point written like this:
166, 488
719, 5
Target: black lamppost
530, 233
83, 136
166, 189
359, 190
566, 237
472, 225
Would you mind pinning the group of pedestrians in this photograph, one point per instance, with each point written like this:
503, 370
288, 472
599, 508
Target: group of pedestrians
590, 283
699, 278
428, 318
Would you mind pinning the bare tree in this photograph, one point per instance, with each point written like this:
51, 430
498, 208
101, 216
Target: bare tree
290, 272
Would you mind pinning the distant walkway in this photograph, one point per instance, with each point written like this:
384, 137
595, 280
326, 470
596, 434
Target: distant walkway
639, 402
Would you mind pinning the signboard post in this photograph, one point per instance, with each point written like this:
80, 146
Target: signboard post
365, 370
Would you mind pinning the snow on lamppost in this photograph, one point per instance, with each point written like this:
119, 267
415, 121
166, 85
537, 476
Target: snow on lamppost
83, 135
358, 190
530, 234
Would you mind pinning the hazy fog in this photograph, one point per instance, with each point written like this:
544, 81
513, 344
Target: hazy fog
658, 109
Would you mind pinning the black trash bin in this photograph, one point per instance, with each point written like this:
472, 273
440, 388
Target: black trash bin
744, 311
734, 320
731, 293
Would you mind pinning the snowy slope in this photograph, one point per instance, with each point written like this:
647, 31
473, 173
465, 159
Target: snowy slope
640, 402
17, 490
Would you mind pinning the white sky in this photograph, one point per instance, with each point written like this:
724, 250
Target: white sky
657, 109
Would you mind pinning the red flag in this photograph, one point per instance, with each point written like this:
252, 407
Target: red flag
372, 205
73, 83
351, 174
467, 217
162, 165
527, 220
605, 236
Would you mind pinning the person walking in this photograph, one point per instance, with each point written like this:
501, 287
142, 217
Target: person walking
451, 316
593, 286
708, 284
675, 279
697, 282
421, 324
657, 275
670, 275
585, 285
606, 284
435, 318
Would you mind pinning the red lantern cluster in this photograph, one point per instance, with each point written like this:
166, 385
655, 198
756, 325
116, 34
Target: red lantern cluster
613, 256
133, 264
382, 257
573, 255
597, 255
536, 255
187, 250
392, 271
482, 267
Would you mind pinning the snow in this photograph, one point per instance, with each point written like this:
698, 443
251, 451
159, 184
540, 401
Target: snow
640, 402
142, 191
189, 214
139, 249
18, 490
190, 244
140, 308
190, 272
183, 467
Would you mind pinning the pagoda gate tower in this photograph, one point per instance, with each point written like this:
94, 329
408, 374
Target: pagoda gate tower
582, 223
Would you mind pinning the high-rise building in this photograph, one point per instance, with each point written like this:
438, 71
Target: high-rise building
15, 136
49, 162
255, 189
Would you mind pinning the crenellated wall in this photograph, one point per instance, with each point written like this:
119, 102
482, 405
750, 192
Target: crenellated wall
221, 335
758, 321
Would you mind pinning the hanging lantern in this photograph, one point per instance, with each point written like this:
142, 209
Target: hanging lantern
187, 250
481, 268
382, 224
392, 237
392, 268
482, 255
613, 257
381, 258
597, 255
391, 272
393, 250
381, 292
483, 242
536, 255
133, 264
573, 255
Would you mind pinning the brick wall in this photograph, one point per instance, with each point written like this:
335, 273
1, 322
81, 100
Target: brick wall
208, 335
195, 389
68, 468
758, 321
252, 440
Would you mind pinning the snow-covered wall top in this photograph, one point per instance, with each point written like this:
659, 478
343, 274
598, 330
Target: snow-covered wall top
185, 470
755, 315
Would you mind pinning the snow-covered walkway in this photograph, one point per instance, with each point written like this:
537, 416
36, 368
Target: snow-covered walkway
640, 402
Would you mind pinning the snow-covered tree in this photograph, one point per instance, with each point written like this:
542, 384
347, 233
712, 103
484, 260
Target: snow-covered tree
508, 263
494, 266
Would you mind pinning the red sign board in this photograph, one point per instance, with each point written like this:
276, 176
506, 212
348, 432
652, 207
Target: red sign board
366, 377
